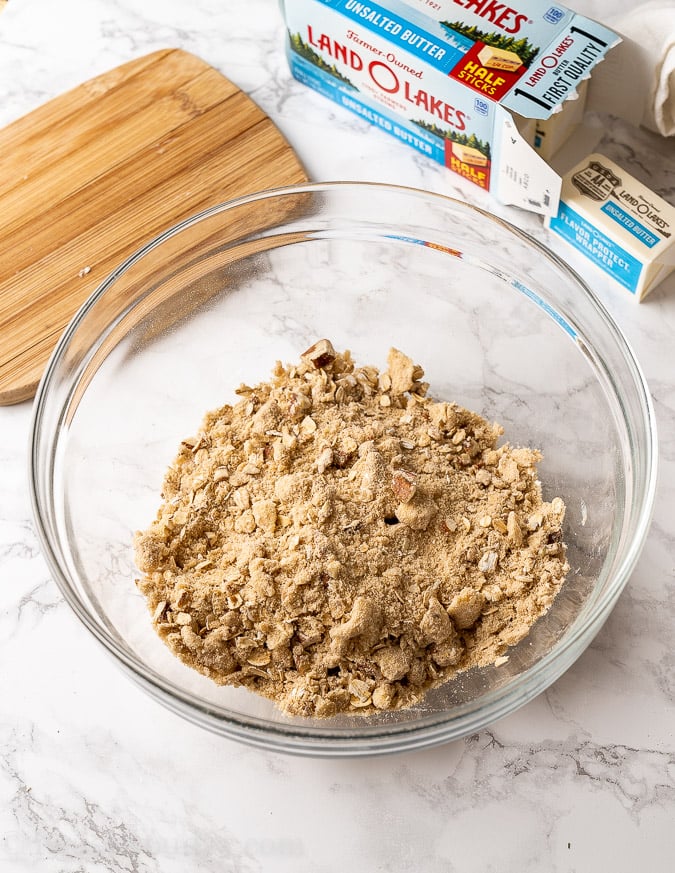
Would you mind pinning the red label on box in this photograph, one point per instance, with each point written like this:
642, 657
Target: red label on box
468, 162
489, 71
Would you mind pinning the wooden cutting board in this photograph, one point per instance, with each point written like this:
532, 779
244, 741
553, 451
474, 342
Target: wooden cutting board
91, 176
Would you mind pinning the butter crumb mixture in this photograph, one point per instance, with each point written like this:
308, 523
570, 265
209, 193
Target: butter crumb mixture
339, 542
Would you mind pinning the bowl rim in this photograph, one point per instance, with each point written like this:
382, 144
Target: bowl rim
309, 740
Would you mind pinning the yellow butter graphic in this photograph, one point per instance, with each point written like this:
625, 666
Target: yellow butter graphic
469, 155
499, 59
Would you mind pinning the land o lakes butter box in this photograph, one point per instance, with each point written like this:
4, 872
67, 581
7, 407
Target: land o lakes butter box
455, 79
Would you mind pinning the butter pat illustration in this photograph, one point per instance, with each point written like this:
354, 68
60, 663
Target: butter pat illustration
499, 59
618, 223
469, 155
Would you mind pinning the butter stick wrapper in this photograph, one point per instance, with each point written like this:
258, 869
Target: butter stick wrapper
624, 228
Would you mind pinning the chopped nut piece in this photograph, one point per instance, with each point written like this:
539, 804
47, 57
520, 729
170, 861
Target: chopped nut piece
159, 611
404, 485
241, 498
488, 562
266, 418
402, 372
436, 624
535, 520
321, 354
513, 531
298, 405
308, 425
324, 460
466, 607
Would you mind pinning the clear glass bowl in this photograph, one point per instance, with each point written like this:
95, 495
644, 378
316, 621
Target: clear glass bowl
500, 325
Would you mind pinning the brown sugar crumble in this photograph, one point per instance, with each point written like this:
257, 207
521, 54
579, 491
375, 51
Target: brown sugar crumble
339, 542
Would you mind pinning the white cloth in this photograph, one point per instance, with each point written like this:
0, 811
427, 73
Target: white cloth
648, 54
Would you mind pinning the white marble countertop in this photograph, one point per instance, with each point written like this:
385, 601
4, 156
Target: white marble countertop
95, 776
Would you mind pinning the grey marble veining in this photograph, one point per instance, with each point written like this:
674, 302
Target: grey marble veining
94, 776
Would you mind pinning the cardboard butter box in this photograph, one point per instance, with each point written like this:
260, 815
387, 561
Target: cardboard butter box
457, 80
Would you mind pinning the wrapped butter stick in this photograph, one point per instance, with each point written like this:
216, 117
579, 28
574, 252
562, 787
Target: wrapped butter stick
618, 223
